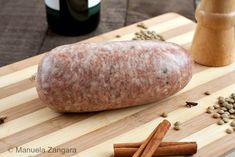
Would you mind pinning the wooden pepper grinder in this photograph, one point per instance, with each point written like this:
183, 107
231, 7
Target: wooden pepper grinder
213, 43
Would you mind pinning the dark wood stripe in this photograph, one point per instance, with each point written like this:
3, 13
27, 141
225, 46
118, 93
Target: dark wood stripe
152, 112
23, 109
40, 130
189, 127
106, 133
16, 87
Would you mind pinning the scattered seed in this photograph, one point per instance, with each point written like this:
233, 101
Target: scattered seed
118, 36
33, 77
147, 35
232, 123
229, 106
220, 122
207, 93
177, 127
229, 100
232, 117
216, 106
224, 108
160, 37
229, 131
224, 116
209, 111
220, 111
224, 104
191, 104
232, 96
226, 120
142, 25
221, 100
210, 108
232, 100
177, 123
164, 115
226, 113
2, 119
216, 115
231, 111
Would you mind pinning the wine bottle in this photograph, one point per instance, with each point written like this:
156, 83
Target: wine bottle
72, 17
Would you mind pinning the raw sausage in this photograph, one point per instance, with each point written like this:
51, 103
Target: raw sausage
90, 77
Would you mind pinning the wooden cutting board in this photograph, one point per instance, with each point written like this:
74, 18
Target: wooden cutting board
32, 126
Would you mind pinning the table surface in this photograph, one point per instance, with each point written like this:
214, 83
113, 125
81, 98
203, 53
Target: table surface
24, 31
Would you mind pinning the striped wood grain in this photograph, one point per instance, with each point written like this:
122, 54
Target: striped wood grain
31, 124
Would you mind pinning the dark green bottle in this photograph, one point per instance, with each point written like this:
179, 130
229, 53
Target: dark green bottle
72, 17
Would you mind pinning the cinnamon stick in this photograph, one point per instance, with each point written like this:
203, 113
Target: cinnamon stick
137, 144
178, 149
150, 145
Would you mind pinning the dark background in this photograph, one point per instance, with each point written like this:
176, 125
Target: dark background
24, 31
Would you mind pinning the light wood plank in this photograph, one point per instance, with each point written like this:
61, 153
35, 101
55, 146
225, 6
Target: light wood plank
221, 147
127, 123
152, 112
26, 121
208, 135
76, 130
18, 99
208, 75
17, 76
160, 28
182, 114
170, 25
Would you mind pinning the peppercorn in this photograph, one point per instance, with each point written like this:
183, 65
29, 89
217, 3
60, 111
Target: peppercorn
207, 93
220, 111
216, 115
232, 123
209, 111
177, 127
221, 100
231, 111
220, 122
141, 25
226, 120
229, 131
232, 117
164, 115
229, 106
177, 123
2, 119
118, 36
216, 106
225, 116
211, 108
